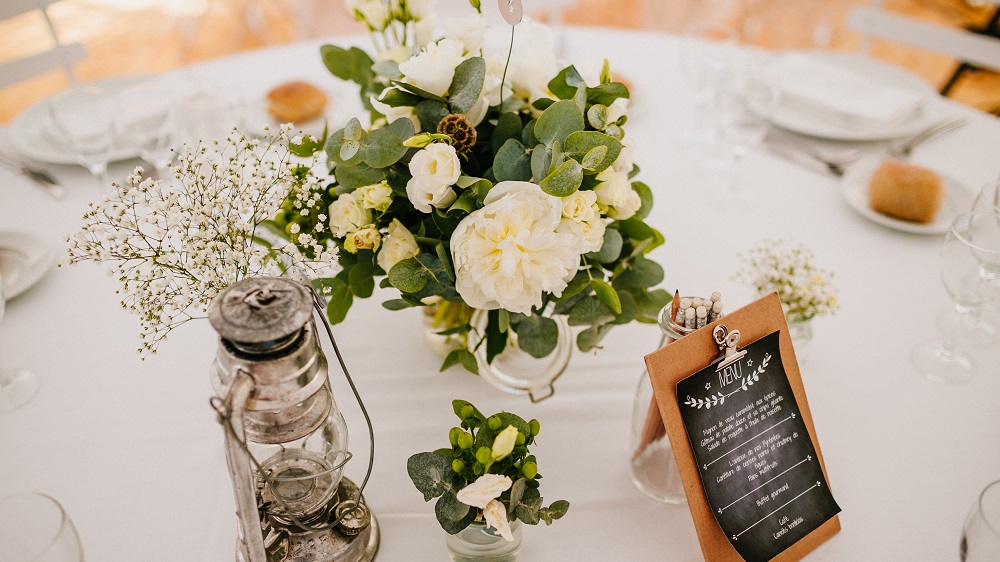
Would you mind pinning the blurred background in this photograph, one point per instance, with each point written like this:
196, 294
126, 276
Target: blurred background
142, 36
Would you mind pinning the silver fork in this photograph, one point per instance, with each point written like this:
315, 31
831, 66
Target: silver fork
905, 148
41, 179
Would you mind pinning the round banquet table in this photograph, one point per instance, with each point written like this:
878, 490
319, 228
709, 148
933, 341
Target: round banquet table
132, 450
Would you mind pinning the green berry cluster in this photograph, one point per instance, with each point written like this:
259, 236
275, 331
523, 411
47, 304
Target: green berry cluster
478, 446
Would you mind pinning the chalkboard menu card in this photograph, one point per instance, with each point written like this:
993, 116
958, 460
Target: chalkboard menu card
743, 438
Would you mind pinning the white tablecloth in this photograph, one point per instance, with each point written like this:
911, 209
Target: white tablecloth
132, 450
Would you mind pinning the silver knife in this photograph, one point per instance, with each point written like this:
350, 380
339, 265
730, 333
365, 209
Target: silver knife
42, 179
904, 149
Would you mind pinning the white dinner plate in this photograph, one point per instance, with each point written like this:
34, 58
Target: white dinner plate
33, 135
808, 123
24, 260
854, 187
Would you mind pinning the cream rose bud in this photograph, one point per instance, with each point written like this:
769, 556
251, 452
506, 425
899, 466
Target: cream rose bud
615, 195
348, 214
434, 67
496, 516
486, 488
580, 206
398, 245
367, 238
377, 196
435, 169
504, 443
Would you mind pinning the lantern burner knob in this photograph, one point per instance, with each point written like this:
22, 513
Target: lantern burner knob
261, 315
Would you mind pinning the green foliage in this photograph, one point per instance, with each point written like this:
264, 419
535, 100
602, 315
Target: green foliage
558, 122
467, 84
512, 162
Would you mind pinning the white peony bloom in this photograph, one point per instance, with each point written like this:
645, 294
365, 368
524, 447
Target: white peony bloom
348, 214
394, 113
377, 197
470, 30
420, 9
486, 488
434, 67
496, 516
615, 195
508, 253
398, 245
375, 13
435, 169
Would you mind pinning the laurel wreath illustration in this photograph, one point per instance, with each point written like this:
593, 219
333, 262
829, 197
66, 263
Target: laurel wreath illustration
719, 398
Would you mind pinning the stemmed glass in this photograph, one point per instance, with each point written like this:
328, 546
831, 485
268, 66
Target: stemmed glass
705, 53
35, 527
147, 118
17, 386
989, 198
84, 120
970, 255
981, 532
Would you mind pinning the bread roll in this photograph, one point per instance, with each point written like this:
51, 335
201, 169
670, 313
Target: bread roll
905, 191
295, 102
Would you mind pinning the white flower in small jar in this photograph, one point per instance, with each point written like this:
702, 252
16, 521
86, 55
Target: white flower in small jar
348, 214
367, 238
615, 195
508, 253
377, 197
399, 244
486, 488
433, 68
435, 169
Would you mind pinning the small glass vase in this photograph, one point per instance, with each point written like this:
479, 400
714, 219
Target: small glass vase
479, 543
442, 316
801, 332
514, 370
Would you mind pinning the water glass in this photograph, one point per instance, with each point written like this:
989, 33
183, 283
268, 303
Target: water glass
705, 54
981, 532
35, 528
147, 118
17, 386
206, 115
84, 123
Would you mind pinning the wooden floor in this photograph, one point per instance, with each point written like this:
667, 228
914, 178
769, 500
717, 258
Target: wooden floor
143, 36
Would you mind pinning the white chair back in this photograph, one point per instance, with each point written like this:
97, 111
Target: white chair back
59, 56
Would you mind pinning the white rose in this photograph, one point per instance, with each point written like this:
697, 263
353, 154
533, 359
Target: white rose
615, 195
377, 197
398, 245
433, 68
348, 214
496, 516
508, 253
375, 13
367, 238
394, 113
435, 169
470, 30
590, 231
486, 488
420, 9
580, 206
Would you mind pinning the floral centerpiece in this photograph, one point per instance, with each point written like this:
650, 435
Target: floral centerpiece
790, 270
486, 476
501, 184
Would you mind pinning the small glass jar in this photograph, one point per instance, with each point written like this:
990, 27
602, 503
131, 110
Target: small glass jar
479, 543
801, 332
652, 467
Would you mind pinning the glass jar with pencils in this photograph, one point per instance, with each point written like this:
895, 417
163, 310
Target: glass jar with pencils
652, 465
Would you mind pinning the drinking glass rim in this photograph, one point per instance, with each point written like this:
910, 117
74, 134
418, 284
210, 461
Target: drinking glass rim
960, 235
982, 513
63, 517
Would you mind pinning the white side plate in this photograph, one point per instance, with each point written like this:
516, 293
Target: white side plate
24, 260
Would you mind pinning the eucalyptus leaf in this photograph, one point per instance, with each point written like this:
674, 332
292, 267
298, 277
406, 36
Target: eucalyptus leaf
516, 493
354, 64
387, 69
564, 181
642, 273
590, 312
541, 157
394, 97
537, 336
558, 121
430, 113
430, 473
580, 143
606, 94
381, 148
558, 509
593, 159
580, 98
402, 128
467, 84
452, 514
508, 127
565, 83
409, 276
348, 149
607, 295
512, 162
362, 280
396, 304
580, 281
611, 248
628, 311
340, 301
597, 116
590, 338
353, 177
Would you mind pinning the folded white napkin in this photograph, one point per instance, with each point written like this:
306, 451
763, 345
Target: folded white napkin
842, 96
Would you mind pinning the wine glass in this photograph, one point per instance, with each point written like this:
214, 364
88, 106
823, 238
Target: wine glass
83, 117
35, 527
747, 100
17, 386
989, 198
706, 49
147, 118
969, 256
981, 532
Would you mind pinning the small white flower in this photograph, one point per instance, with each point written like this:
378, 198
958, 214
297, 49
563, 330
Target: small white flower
398, 245
433, 68
496, 516
615, 195
486, 488
435, 169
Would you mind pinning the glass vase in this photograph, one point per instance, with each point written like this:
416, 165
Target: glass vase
479, 543
515, 370
442, 316
801, 332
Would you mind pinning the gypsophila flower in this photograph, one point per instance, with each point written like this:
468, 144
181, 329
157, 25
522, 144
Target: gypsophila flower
805, 290
174, 247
